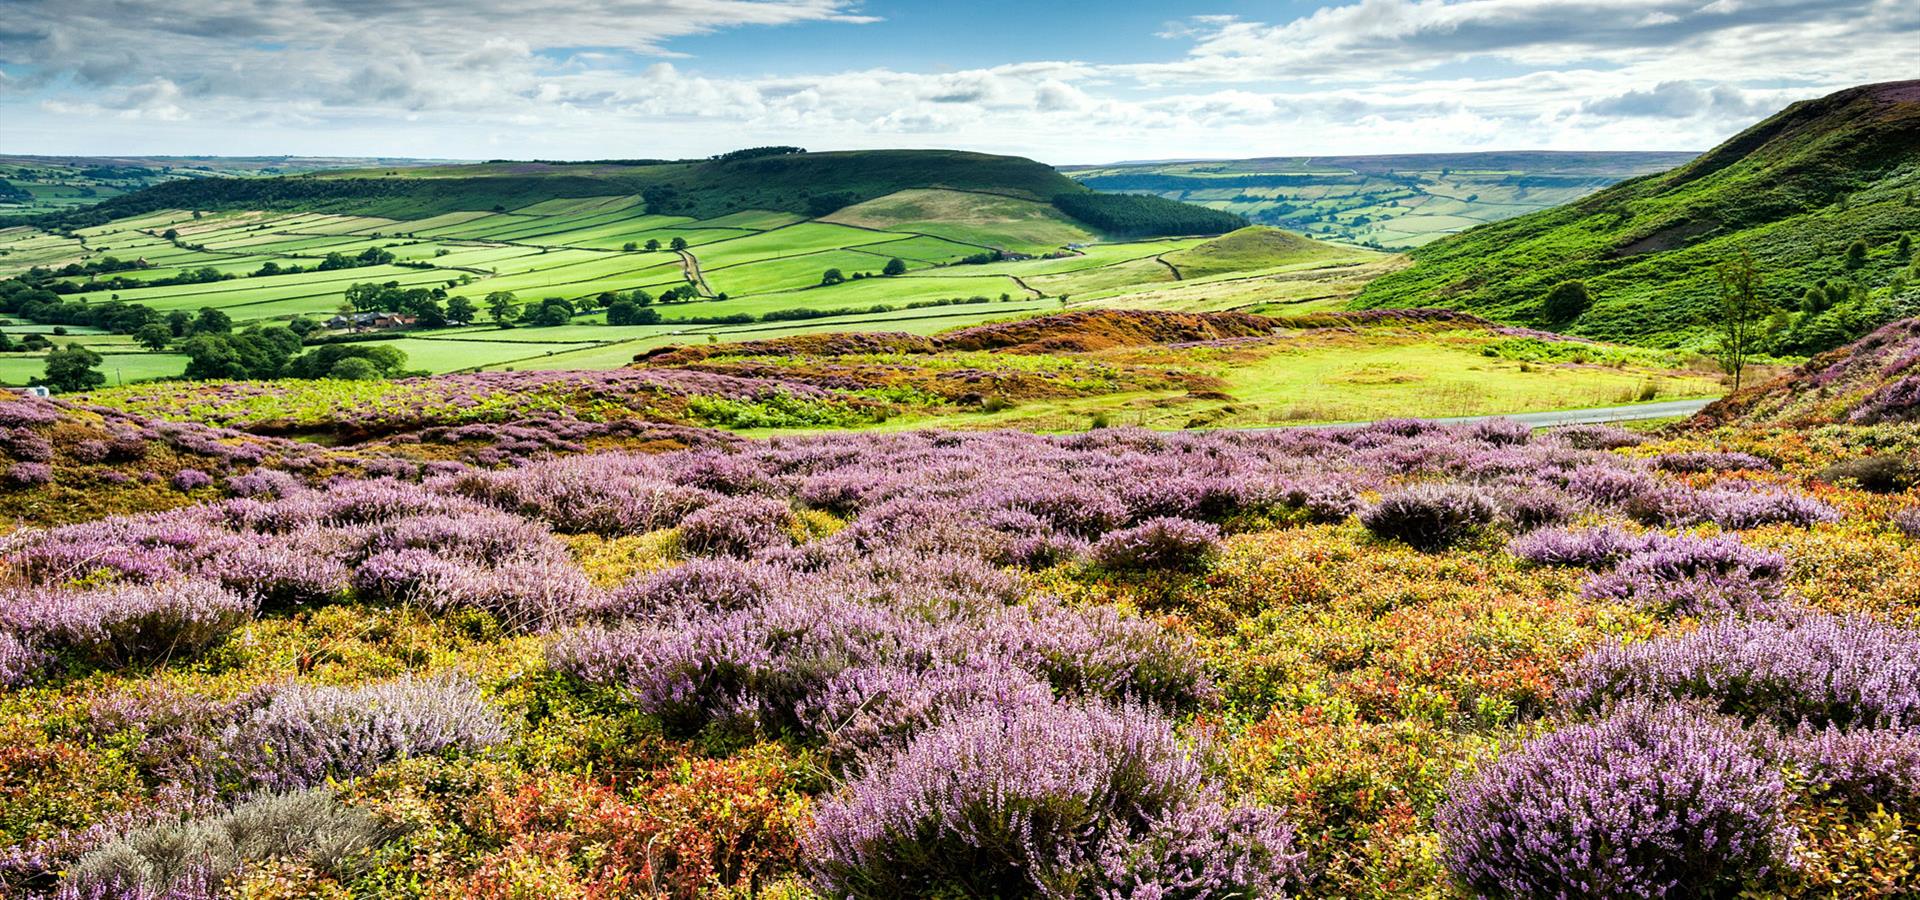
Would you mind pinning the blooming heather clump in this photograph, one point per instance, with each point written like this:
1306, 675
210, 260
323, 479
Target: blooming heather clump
1165, 544
1055, 801
737, 527
263, 483
127, 623
19, 660
1587, 548
1595, 437
1693, 576
1649, 802
1848, 671
1607, 486
191, 480
29, 474
607, 494
1537, 507
1710, 461
194, 858
1505, 432
695, 584
305, 735
1869, 768
1735, 510
1430, 516
1908, 521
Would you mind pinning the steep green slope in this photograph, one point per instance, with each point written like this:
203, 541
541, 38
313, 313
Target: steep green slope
1794, 191
1249, 249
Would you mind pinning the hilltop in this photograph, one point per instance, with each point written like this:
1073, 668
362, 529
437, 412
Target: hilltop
1796, 191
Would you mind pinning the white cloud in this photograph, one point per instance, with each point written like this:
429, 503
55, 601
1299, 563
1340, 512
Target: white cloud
590, 78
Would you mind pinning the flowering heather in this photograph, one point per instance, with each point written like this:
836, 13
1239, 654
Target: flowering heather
305, 735
1709, 461
19, 660
1732, 509
1907, 520
1430, 516
717, 584
1869, 768
1163, 544
1693, 576
122, 624
1848, 671
1650, 802
606, 494
739, 526
1051, 801
1586, 548
1501, 431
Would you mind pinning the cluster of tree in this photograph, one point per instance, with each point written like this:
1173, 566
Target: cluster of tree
1142, 215
829, 203
274, 351
202, 275
430, 307
12, 193
755, 153
372, 256
830, 277
653, 244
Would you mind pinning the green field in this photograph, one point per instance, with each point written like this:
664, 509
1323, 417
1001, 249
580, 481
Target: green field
750, 262
1390, 202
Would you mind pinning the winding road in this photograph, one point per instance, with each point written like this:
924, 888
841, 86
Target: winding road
1555, 418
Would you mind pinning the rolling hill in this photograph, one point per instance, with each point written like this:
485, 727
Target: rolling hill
1390, 202
1795, 191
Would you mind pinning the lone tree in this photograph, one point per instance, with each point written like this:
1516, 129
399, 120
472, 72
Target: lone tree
832, 276
895, 266
679, 243
1566, 302
1740, 315
73, 369
1904, 249
653, 244
154, 336
500, 307
460, 309
1856, 254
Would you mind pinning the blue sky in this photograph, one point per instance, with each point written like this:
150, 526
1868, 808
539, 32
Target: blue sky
1065, 83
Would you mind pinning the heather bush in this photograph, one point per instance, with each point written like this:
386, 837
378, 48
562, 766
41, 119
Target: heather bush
1430, 516
1867, 768
1505, 432
1907, 520
19, 660
1652, 801
263, 483
122, 624
608, 494
306, 735
1054, 801
739, 527
1692, 576
1877, 474
1596, 437
1530, 508
719, 584
191, 480
1732, 509
29, 474
1847, 671
1165, 544
1587, 548
1710, 461
196, 857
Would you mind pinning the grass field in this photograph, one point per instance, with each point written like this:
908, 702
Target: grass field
752, 263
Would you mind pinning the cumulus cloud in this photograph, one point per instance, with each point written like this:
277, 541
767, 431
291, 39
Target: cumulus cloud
603, 77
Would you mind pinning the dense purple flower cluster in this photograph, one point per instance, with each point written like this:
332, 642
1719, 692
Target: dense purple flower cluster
1870, 768
1684, 575
737, 526
1430, 516
305, 735
1038, 799
1161, 544
1710, 461
1651, 801
1847, 671
120, 624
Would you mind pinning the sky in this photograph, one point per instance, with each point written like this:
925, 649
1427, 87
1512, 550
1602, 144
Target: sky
1063, 82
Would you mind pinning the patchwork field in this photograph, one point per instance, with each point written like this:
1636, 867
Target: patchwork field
1391, 202
963, 257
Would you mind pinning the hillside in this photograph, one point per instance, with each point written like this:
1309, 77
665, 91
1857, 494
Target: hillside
1868, 382
1248, 248
1794, 191
1393, 202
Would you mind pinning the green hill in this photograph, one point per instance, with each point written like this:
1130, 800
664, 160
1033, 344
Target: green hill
1795, 191
1249, 249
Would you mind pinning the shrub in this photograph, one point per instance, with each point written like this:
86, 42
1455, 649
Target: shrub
1693, 576
1596, 437
1876, 474
1430, 517
1163, 544
123, 624
719, 584
19, 660
1908, 521
1732, 509
1649, 802
1587, 548
1531, 508
306, 735
191, 480
1847, 671
29, 474
1710, 461
194, 858
738, 526
1869, 769
1058, 801
1502, 432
